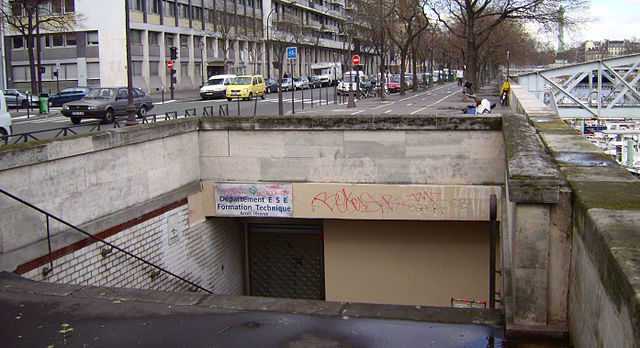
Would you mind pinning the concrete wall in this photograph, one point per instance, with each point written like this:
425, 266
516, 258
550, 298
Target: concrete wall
406, 262
604, 258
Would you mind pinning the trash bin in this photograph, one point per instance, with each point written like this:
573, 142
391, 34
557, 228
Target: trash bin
44, 103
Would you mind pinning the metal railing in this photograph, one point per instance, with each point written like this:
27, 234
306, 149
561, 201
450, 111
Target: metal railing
111, 245
223, 110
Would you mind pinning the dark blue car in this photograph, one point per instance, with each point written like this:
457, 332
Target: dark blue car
68, 94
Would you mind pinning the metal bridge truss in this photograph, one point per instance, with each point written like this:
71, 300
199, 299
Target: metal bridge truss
604, 89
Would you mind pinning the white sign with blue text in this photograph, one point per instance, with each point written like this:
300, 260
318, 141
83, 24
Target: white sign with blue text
264, 200
292, 52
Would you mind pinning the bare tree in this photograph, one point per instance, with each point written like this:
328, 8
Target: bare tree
474, 20
374, 14
287, 30
29, 17
227, 29
410, 21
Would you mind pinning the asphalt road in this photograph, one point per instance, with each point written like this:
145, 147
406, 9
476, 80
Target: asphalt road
440, 99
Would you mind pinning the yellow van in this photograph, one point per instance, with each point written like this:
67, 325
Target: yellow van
246, 87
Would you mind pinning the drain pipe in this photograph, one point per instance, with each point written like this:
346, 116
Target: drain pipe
493, 212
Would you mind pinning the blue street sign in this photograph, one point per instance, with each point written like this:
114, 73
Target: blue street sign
292, 52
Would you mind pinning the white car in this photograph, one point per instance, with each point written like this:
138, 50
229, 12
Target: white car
5, 121
216, 86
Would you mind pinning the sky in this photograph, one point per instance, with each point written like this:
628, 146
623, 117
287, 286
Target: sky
613, 20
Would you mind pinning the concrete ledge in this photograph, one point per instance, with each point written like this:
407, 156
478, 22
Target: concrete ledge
23, 154
531, 172
489, 317
368, 122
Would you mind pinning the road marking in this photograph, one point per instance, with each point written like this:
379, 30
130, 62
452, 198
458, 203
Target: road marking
357, 112
409, 104
436, 102
388, 111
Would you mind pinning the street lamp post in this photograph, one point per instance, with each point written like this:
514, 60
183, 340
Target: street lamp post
349, 26
267, 43
201, 45
131, 109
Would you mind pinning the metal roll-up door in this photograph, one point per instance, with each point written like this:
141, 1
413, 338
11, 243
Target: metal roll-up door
286, 261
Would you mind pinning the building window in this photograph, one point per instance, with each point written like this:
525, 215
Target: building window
197, 13
184, 41
183, 11
137, 68
93, 70
16, 8
56, 6
210, 15
20, 73
183, 69
136, 37
153, 38
154, 7
136, 5
92, 38
57, 40
153, 68
69, 6
18, 42
170, 8
70, 39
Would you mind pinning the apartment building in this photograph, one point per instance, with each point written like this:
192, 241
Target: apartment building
211, 36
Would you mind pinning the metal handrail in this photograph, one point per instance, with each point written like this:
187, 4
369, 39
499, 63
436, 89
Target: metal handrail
49, 215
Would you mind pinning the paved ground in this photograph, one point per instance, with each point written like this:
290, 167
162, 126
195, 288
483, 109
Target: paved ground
34, 314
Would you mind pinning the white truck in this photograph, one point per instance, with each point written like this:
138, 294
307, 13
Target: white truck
328, 73
5, 121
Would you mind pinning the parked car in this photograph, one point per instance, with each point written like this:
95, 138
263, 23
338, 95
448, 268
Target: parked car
286, 84
315, 82
216, 86
15, 98
106, 103
5, 121
67, 95
271, 86
393, 85
301, 82
246, 87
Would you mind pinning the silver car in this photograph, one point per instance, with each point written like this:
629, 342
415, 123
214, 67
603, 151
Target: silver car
106, 103
301, 82
15, 98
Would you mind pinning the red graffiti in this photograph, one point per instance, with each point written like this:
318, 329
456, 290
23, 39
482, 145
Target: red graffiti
346, 202
423, 202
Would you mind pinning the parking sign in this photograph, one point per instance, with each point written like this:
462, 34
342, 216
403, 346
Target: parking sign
292, 52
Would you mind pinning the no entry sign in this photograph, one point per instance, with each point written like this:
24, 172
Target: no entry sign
170, 65
356, 60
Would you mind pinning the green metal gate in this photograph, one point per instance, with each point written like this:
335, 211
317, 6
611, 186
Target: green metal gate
286, 261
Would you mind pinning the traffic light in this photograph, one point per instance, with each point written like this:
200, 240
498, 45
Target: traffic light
173, 76
174, 52
42, 70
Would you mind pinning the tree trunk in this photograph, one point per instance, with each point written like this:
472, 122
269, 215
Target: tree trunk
471, 73
415, 71
403, 67
32, 59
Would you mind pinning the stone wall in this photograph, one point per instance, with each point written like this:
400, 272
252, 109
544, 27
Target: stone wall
604, 288
364, 149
